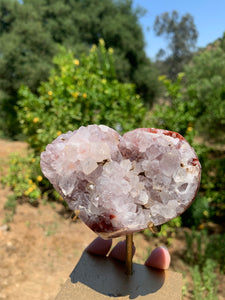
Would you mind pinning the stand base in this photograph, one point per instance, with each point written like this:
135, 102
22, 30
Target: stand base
104, 278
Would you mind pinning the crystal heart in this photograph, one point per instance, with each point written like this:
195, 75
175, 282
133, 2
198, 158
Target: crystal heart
120, 184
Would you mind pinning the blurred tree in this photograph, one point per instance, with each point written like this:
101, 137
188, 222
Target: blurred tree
30, 31
26, 50
182, 36
205, 88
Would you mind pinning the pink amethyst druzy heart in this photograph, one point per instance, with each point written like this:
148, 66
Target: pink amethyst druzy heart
122, 183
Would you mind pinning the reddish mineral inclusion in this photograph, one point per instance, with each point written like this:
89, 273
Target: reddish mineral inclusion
122, 183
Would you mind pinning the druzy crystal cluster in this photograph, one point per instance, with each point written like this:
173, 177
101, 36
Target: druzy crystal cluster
120, 184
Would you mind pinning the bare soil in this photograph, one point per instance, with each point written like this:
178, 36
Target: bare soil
41, 246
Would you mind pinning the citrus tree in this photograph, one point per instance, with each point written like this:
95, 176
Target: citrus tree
78, 93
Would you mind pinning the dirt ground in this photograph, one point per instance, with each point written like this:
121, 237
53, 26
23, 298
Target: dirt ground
40, 248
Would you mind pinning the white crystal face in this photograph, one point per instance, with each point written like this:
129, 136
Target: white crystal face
121, 184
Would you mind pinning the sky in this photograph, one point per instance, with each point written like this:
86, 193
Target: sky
209, 19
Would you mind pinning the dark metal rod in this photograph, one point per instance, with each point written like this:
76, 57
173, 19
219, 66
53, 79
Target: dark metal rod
129, 253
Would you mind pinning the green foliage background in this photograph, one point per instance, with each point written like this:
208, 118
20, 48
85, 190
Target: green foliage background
30, 32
